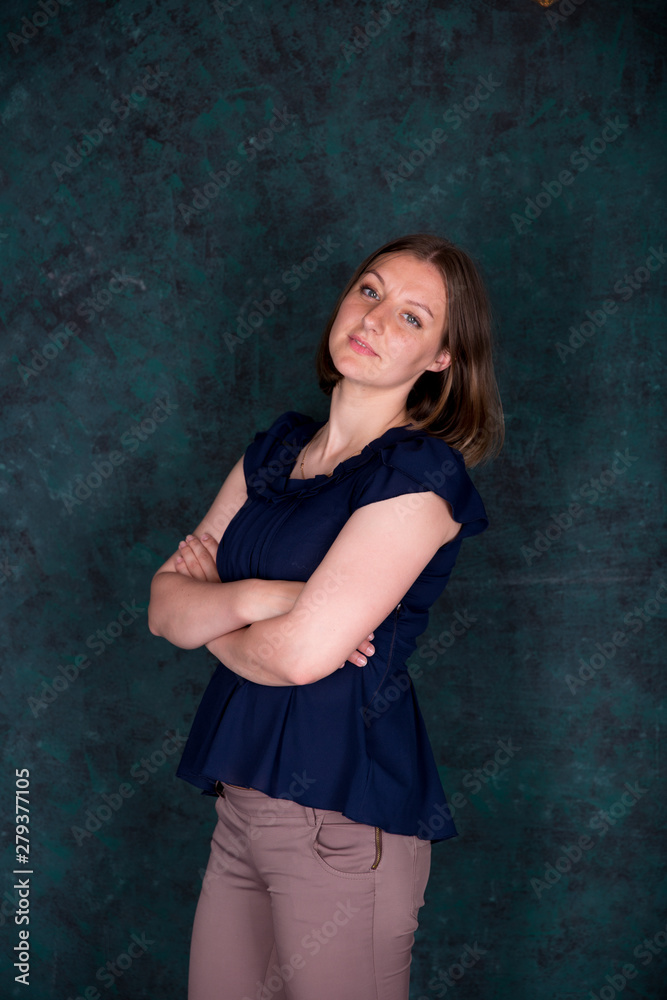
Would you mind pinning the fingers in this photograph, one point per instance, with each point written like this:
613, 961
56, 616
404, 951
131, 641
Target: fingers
199, 559
189, 557
210, 544
181, 567
358, 654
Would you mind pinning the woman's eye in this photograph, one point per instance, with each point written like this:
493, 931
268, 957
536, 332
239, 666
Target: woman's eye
367, 288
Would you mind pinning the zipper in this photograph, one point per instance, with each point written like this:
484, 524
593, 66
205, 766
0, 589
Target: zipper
378, 847
378, 831
391, 649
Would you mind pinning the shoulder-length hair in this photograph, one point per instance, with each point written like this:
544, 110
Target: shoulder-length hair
460, 404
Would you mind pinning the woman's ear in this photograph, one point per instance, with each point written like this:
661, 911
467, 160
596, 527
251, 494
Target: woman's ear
442, 361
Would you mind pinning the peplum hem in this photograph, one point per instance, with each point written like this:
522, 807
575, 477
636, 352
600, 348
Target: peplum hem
367, 790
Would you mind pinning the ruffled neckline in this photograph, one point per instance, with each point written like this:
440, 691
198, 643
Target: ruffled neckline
283, 486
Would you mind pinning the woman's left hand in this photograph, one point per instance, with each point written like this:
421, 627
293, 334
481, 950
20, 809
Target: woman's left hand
357, 656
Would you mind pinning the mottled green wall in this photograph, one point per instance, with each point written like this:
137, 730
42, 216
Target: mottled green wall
359, 88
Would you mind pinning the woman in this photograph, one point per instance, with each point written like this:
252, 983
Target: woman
324, 536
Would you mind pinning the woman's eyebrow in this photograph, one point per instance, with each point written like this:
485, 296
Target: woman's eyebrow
420, 305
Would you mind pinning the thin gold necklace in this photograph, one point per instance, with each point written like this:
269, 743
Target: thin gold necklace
327, 474
303, 475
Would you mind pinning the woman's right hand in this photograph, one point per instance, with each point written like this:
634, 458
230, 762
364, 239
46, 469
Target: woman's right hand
196, 558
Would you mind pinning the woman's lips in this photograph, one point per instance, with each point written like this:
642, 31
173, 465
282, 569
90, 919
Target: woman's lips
361, 350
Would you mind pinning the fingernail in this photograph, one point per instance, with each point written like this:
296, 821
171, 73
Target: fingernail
204, 537
181, 544
189, 538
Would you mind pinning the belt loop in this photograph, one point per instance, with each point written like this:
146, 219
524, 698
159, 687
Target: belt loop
311, 815
220, 788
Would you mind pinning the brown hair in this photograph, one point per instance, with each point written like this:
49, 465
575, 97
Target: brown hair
460, 404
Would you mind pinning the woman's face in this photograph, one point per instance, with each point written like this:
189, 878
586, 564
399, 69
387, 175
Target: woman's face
398, 310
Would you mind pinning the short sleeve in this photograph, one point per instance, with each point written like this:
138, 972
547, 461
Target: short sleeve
425, 463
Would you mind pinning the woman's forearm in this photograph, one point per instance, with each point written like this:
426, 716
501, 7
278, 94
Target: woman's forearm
264, 651
189, 613
254, 653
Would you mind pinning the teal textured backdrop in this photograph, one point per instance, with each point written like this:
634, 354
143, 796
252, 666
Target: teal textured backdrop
167, 169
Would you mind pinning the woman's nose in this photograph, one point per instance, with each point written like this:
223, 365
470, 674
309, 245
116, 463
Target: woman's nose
375, 317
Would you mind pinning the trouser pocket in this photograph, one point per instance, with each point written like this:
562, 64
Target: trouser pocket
347, 848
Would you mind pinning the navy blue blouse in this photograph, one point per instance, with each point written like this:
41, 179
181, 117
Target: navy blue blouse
354, 741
